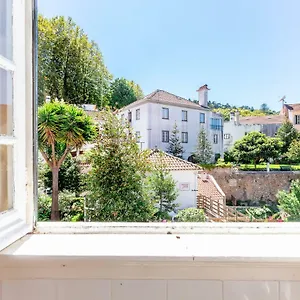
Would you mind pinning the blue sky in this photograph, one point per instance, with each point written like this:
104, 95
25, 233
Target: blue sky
247, 51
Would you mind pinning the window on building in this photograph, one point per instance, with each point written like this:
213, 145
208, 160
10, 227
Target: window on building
165, 136
202, 117
226, 136
216, 139
137, 114
184, 137
16, 219
138, 136
184, 115
129, 116
165, 113
216, 124
297, 119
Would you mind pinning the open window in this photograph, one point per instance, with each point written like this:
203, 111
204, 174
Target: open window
16, 151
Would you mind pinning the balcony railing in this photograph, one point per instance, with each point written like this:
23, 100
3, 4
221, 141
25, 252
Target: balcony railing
216, 127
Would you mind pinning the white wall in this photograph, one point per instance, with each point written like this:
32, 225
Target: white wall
151, 126
237, 132
186, 198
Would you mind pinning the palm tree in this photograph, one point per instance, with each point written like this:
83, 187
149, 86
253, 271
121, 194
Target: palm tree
61, 128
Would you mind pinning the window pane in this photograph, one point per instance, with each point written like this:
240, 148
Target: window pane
6, 118
6, 186
6, 28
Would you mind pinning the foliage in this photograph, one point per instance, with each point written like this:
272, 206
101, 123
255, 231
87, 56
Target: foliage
287, 133
70, 177
245, 111
289, 202
61, 128
121, 93
71, 67
203, 153
191, 214
293, 153
264, 108
71, 207
222, 164
256, 147
260, 213
175, 147
163, 189
117, 180
136, 89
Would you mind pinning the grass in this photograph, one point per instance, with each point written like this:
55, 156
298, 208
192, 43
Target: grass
273, 167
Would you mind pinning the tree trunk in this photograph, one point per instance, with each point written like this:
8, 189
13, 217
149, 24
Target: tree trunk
54, 206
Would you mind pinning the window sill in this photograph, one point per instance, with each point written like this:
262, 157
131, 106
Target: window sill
97, 248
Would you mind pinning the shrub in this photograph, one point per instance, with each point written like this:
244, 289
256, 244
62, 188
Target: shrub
289, 202
261, 213
191, 214
71, 207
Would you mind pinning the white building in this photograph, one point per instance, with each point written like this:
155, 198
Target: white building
237, 127
153, 119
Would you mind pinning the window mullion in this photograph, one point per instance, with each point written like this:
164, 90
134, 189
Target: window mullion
6, 64
7, 140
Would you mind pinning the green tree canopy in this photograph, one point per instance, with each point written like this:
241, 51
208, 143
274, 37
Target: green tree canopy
163, 189
293, 153
71, 67
117, 181
287, 133
255, 147
61, 128
175, 147
203, 153
122, 93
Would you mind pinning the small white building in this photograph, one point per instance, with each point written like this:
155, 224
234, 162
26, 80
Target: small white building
184, 173
153, 119
237, 127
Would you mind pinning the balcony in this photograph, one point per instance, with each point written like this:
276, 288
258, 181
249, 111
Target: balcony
216, 127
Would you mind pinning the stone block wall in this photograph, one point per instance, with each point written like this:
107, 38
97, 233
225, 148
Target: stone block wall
255, 186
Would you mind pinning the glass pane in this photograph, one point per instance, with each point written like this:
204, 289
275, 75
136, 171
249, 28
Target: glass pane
6, 177
6, 28
6, 117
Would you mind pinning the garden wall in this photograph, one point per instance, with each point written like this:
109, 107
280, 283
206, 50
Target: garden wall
257, 186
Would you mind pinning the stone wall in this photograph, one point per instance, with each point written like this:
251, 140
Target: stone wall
257, 186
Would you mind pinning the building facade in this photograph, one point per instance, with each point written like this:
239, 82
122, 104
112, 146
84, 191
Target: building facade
292, 113
153, 119
237, 127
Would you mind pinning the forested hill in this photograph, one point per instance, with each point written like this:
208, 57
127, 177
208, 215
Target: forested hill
245, 111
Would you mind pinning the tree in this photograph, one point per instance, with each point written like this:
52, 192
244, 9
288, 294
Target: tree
71, 67
289, 202
175, 147
121, 93
136, 89
293, 153
70, 177
117, 180
61, 128
203, 153
287, 133
255, 147
163, 189
264, 107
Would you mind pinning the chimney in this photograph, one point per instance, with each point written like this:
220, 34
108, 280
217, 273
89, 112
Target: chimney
202, 95
232, 116
237, 118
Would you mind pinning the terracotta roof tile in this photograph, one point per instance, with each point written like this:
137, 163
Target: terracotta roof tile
207, 188
172, 163
270, 119
295, 106
163, 97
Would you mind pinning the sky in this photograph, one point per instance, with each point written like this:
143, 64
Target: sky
246, 51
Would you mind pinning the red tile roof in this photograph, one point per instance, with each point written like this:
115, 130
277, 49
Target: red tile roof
270, 119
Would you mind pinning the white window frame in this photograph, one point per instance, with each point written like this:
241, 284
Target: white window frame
227, 136
165, 113
184, 115
167, 139
184, 137
202, 121
18, 220
138, 114
216, 138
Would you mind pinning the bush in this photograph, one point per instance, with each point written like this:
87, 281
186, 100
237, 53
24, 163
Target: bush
71, 207
289, 202
191, 214
260, 213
